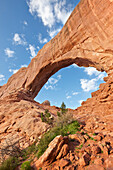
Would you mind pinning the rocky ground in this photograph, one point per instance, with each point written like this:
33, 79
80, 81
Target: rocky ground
91, 148
86, 40
82, 151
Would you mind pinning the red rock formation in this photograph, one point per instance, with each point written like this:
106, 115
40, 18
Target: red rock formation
87, 40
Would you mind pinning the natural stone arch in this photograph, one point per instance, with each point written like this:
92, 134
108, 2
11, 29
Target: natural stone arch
86, 40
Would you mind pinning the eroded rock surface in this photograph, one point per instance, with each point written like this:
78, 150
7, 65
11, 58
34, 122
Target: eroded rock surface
86, 40
89, 154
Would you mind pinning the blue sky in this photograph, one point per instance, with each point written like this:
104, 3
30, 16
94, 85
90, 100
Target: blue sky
25, 26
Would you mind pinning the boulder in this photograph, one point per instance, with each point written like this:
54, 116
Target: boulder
84, 160
51, 153
63, 152
46, 102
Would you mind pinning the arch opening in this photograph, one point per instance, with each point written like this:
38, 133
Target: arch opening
50, 69
71, 85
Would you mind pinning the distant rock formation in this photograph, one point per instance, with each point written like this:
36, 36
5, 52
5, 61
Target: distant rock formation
46, 102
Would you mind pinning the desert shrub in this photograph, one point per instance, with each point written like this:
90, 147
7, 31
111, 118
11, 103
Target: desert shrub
28, 151
42, 117
10, 164
26, 166
13, 161
47, 117
64, 126
58, 114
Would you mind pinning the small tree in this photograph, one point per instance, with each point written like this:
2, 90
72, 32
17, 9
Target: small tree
63, 108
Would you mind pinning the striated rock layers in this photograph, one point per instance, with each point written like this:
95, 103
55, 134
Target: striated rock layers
87, 40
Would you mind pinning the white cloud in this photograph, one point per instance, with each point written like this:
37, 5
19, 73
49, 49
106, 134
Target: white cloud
52, 32
43, 9
102, 75
38, 47
68, 97
88, 85
59, 76
61, 13
91, 70
25, 23
75, 93
13, 70
24, 65
9, 52
32, 50
19, 39
52, 82
2, 77
42, 41
50, 11
74, 65
49, 87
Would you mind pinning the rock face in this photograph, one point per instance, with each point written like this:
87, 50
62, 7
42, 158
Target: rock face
86, 39
65, 153
51, 153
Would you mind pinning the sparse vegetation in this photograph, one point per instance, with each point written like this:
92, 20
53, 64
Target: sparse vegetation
58, 114
65, 125
61, 128
10, 164
47, 117
26, 166
63, 110
13, 161
42, 117
40, 168
101, 151
91, 137
80, 147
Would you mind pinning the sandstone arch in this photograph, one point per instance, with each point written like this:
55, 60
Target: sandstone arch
86, 39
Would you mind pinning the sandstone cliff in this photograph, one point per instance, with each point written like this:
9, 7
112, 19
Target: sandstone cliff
86, 40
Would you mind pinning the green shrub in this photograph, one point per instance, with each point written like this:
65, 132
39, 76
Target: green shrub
9, 164
58, 114
64, 125
47, 117
42, 117
26, 166
46, 111
12, 162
